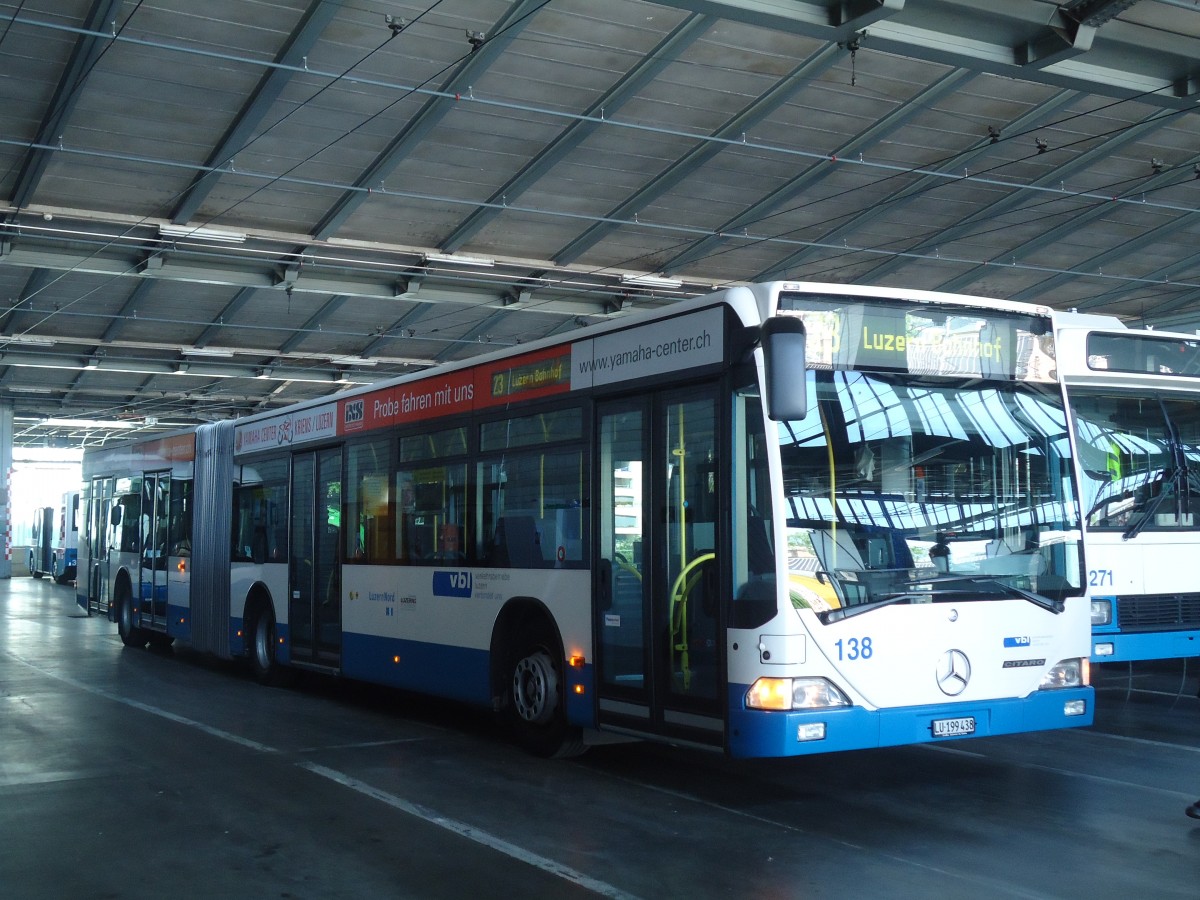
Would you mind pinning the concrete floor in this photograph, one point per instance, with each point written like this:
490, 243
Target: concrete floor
145, 774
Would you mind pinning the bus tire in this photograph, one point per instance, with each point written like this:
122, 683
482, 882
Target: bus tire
33, 569
131, 635
535, 696
263, 642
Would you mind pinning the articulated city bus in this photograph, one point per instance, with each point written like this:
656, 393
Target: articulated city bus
778, 520
1135, 399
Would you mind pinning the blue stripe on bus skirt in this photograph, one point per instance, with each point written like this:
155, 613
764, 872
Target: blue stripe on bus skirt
756, 733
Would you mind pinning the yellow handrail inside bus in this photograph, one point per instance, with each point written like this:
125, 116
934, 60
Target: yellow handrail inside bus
832, 488
680, 593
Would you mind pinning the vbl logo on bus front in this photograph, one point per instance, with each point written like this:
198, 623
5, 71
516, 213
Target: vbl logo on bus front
452, 584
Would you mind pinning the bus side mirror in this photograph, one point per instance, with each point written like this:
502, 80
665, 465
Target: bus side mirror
114, 516
783, 343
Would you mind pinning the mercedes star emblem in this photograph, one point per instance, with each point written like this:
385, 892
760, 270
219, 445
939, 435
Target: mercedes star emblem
953, 672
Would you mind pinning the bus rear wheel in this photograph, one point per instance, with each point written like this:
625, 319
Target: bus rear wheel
536, 700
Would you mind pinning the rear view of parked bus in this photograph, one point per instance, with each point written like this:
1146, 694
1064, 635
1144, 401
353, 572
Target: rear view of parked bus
135, 550
41, 542
1135, 399
66, 547
699, 525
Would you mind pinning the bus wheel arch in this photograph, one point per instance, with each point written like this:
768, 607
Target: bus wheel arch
262, 641
529, 680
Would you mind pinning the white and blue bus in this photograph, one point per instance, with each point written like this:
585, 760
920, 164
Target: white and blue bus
66, 546
1134, 396
778, 520
54, 551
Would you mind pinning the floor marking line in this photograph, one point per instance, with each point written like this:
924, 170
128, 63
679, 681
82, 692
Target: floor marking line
152, 710
460, 828
470, 833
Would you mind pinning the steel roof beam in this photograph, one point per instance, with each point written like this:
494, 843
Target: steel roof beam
232, 308
1156, 67
821, 170
331, 306
87, 50
38, 279
626, 88
703, 152
430, 115
988, 214
1076, 222
1098, 261
298, 45
921, 186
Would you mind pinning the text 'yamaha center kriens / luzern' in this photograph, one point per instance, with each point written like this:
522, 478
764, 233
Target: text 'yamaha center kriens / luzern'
778, 520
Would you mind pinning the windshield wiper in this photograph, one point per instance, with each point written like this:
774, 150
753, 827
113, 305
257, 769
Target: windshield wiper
1047, 603
845, 612
1176, 475
1151, 507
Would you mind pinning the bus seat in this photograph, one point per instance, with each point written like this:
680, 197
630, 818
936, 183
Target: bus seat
516, 542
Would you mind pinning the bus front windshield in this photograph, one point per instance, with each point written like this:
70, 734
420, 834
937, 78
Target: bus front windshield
1139, 459
905, 489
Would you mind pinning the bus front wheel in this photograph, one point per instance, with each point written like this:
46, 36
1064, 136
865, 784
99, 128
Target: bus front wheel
536, 699
263, 643
131, 634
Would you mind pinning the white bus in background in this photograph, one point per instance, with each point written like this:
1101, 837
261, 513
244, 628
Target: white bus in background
41, 541
54, 540
66, 545
600, 531
1134, 396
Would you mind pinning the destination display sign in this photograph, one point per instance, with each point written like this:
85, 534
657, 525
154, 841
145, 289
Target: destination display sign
857, 334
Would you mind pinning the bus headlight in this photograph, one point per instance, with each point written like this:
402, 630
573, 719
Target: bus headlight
1067, 673
1101, 612
794, 693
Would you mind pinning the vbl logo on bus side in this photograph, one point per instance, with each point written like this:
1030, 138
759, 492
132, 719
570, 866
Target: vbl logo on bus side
355, 412
452, 584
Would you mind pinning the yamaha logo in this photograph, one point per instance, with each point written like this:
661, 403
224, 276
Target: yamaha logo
953, 672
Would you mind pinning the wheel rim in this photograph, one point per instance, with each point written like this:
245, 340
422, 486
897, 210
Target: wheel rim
535, 686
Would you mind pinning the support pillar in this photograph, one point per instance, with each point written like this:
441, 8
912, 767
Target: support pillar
6, 470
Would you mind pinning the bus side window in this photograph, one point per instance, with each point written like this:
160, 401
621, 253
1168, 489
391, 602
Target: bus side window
369, 520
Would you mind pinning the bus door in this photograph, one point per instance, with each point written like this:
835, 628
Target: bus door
659, 652
98, 572
156, 517
315, 564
